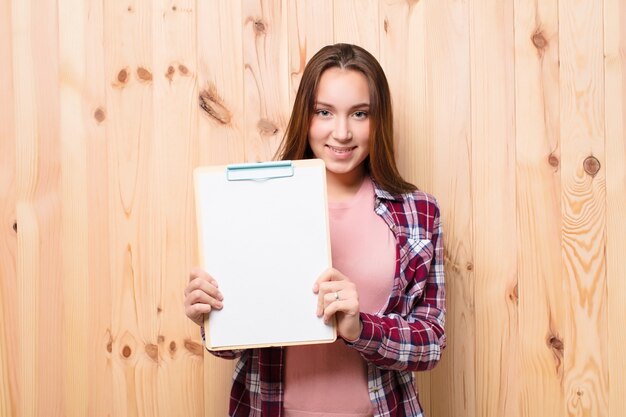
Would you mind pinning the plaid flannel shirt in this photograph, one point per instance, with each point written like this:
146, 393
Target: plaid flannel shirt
406, 336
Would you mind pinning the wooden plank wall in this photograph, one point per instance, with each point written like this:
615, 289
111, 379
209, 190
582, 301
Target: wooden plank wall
511, 112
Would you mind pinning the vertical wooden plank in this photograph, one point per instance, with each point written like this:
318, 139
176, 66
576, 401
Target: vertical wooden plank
9, 326
175, 130
39, 298
27, 266
404, 65
221, 127
86, 319
494, 207
129, 74
403, 57
266, 78
46, 205
310, 27
583, 205
96, 118
357, 22
542, 307
615, 140
447, 105
72, 47
221, 122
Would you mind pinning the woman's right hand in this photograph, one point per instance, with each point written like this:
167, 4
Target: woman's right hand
201, 295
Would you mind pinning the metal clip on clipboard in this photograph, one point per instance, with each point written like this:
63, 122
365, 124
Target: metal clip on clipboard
259, 171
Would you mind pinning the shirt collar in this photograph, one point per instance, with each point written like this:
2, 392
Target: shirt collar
384, 195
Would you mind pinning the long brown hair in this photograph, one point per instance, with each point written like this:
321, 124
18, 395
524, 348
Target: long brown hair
380, 163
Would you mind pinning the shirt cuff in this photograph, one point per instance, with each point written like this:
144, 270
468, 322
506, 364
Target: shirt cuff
366, 342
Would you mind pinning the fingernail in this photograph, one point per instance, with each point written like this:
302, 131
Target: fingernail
219, 305
220, 296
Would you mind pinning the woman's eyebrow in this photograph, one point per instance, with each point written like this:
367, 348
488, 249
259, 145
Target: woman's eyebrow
356, 106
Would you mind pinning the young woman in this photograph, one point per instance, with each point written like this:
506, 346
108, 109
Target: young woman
386, 289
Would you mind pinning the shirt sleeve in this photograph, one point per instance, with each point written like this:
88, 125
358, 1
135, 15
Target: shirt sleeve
413, 342
226, 354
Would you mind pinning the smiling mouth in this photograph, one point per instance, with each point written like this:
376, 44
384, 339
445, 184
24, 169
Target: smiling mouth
341, 150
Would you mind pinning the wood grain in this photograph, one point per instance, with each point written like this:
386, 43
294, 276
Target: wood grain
47, 206
266, 77
221, 129
134, 222
9, 324
615, 142
177, 354
358, 22
220, 73
95, 118
453, 388
39, 295
494, 208
72, 40
583, 205
310, 27
405, 68
27, 265
542, 309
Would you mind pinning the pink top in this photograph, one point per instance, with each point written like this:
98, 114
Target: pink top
331, 379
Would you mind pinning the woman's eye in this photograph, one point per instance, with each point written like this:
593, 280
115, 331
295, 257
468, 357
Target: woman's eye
360, 114
323, 113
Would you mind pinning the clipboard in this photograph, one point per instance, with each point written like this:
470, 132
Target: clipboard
263, 234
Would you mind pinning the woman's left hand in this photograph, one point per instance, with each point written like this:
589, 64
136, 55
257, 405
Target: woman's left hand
337, 295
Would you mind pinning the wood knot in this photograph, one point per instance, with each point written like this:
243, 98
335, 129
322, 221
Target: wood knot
172, 347
193, 347
183, 69
214, 106
160, 339
130, 9
553, 160
170, 73
386, 25
266, 127
555, 343
469, 266
122, 76
159, 309
514, 295
109, 342
152, 351
174, 8
591, 165
144, 74
15, 227
126, 351
579, 392
99, 115
259, 27
539, 40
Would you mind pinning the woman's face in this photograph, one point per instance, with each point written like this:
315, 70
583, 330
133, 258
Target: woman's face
340, 126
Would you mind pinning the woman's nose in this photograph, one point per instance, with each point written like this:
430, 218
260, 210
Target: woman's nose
342, 130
